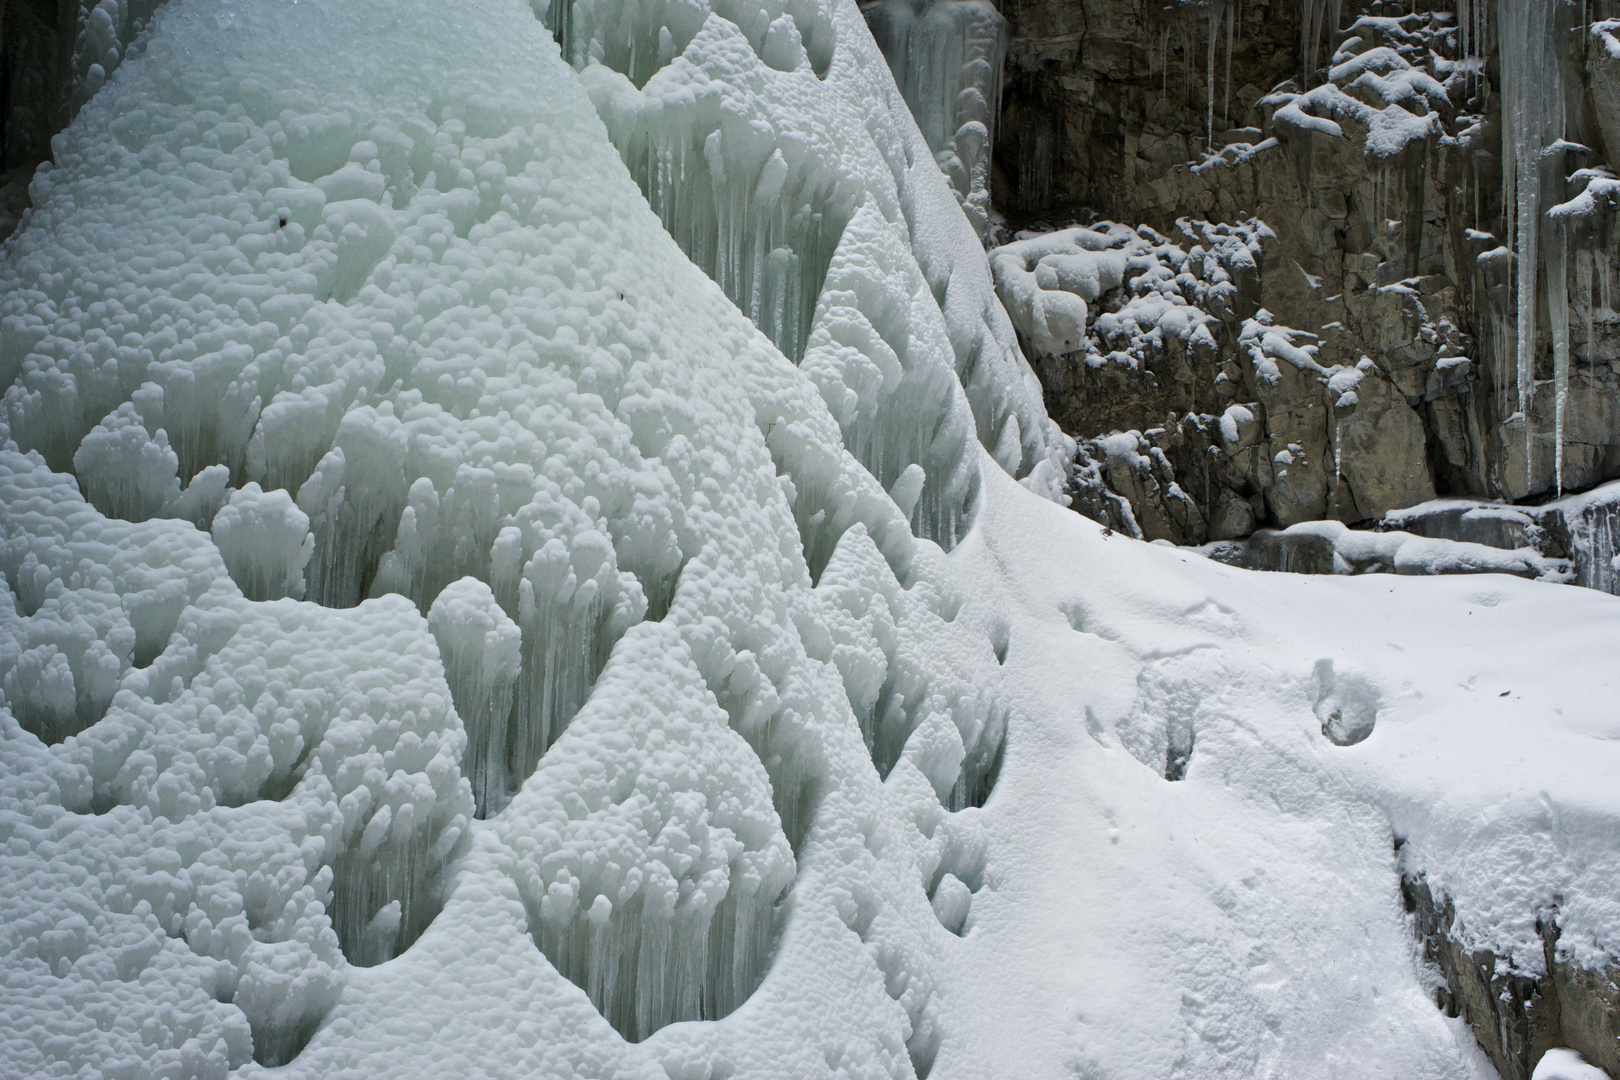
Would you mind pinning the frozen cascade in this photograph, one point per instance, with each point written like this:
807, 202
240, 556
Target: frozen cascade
855, 307
947, 57
734, 143
404, 360
481, 649
1557, 253
1532, 122
761, 216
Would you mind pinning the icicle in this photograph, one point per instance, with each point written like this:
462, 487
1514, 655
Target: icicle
1586, 294
1532, 113
1316, 17
1209, 109
1558, 318
1164, 71
1338, 461
1226, 101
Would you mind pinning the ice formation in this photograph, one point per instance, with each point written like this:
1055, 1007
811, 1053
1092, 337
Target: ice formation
1532, 123
410, 357
947, 58
689, 677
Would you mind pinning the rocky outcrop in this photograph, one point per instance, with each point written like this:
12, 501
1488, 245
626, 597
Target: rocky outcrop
1571, 540
1518, 1015
1416, 201
36, 43
1583, 530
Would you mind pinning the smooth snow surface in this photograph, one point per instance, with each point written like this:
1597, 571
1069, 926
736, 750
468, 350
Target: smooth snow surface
444, 636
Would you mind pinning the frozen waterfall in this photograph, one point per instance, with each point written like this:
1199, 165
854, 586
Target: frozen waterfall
528, 546
947, 58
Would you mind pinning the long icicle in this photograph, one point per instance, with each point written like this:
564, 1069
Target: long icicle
1558, 318
1532, 102
1209, 108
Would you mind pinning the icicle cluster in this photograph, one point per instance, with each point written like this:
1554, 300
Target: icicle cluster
1532, 122
947, 58
428, 353
759, 211
676, 922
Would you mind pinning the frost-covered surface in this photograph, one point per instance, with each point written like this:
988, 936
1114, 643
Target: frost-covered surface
407, 334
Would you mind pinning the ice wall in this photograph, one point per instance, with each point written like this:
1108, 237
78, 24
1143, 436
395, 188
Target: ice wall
782, 167
507, 512
947, 58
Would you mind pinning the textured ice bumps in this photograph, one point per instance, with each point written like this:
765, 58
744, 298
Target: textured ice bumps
408, 434
225, 816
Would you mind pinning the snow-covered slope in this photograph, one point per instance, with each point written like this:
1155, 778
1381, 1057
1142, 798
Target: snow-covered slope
444, 635
1332, 734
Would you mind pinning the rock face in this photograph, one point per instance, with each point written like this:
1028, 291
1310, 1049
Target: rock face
36, 41
1516, 1015
1432, 236
1567, 540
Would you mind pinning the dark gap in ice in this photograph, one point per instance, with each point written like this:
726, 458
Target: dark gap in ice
278, 1044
